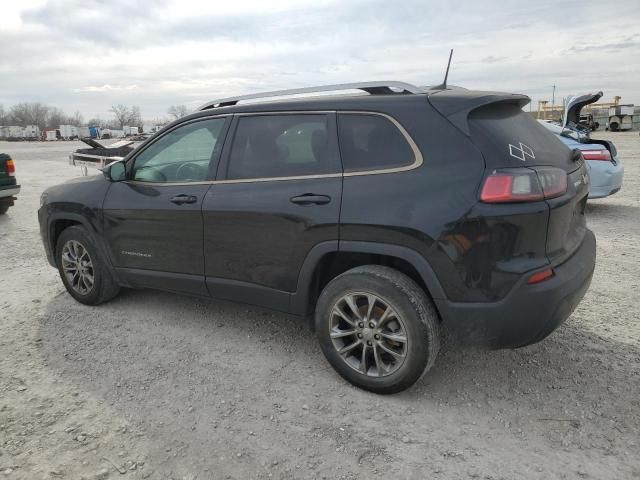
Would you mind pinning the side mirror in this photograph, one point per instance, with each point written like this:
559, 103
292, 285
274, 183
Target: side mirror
115, 171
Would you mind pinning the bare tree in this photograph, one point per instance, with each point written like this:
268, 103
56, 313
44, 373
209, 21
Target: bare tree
178, 111
3, 115
95, 122
122, 114
77, 119
127, 115
135, 118
56, 118
26, 113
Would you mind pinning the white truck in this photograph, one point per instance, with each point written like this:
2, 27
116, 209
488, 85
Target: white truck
131, 131
68, 132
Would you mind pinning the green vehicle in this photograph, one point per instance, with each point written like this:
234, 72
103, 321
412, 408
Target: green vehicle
8, 185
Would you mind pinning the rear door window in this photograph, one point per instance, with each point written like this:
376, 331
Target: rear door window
289, 145
372, 142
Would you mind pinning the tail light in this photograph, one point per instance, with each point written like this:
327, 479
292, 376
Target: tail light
10, 168
540, 276
603, 155
523, 185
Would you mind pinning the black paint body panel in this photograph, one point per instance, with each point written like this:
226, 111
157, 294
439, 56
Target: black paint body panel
254, 233
246, 241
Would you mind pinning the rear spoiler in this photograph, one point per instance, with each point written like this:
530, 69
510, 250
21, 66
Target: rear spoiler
456, 105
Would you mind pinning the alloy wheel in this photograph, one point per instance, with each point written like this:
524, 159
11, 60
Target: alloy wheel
77, 267
368, 334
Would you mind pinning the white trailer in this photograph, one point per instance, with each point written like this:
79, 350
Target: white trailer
14, 131
68, 132
112, 133
50, 135
32, 132
131, 131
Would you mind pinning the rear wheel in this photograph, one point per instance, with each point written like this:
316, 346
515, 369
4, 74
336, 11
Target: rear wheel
377, 328
3, 209
83, 270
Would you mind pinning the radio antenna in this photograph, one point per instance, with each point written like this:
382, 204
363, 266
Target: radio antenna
443, 85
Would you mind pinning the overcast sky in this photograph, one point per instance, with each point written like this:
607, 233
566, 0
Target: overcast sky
87, 55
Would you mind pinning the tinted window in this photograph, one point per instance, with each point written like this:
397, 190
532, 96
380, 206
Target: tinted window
371, 142
268, 146
182, 155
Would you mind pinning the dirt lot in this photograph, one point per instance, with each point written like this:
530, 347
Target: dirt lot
154, 385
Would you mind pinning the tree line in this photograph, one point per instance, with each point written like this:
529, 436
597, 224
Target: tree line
36, 113
46, 116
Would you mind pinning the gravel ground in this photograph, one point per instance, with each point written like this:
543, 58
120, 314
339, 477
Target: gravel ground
154, 385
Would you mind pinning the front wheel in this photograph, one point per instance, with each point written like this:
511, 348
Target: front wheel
377, 328
83, 270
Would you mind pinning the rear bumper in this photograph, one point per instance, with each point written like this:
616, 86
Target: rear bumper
606, 178
529, 312
9, 191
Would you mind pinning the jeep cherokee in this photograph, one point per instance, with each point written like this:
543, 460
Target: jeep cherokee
384, 216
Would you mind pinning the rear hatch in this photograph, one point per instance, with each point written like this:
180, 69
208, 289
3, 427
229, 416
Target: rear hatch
511, 140
573, 106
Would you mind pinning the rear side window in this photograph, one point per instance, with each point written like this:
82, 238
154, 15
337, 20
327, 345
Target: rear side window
371, 142
510, 137
268, 146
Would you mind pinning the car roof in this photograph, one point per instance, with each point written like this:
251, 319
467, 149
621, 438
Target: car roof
446, 101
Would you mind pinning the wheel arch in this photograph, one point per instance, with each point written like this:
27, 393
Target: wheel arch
60, 221
329, 259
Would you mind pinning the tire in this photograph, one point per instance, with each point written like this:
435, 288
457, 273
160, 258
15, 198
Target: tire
104, 286
3, 209
413, 314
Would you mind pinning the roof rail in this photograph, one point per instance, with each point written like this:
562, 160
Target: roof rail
373, 88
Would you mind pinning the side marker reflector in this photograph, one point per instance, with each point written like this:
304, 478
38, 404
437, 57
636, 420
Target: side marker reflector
540, 276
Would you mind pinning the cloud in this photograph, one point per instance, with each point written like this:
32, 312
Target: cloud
105, 88
627, 44
89, 54
492, 59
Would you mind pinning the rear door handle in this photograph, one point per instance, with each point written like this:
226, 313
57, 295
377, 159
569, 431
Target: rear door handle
310, 199
181, 199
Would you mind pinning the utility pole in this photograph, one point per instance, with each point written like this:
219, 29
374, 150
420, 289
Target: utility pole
553, 97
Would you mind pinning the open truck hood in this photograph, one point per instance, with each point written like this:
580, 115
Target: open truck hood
574, 103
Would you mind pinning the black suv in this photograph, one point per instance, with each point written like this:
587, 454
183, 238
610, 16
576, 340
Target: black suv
383, 215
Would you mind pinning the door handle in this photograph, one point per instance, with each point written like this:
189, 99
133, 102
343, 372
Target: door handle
181, 199
310, 199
